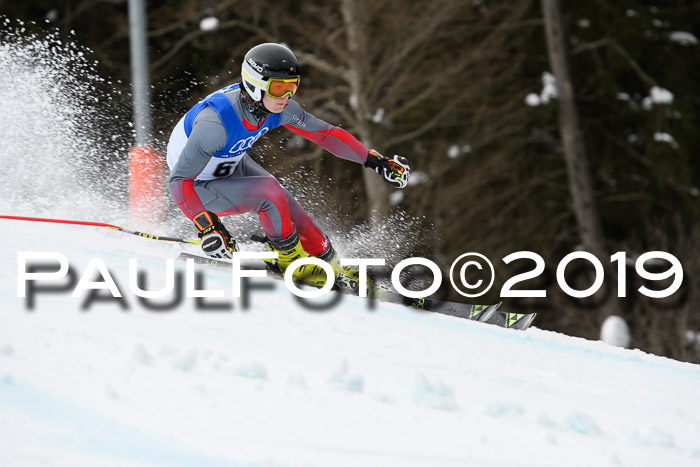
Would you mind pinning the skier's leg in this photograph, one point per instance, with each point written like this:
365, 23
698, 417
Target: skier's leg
310, 234
317, 244
312, 238
237, 195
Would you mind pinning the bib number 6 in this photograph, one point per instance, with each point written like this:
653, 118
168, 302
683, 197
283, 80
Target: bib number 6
224, 169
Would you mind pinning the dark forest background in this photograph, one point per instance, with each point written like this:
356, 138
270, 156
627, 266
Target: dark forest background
462, 88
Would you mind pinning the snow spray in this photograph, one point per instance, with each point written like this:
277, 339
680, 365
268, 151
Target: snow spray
63, 145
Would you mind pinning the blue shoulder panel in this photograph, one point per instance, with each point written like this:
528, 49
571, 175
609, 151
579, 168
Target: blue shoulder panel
219, 106
237, 136
223, 107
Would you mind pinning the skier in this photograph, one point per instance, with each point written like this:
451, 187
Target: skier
212, 175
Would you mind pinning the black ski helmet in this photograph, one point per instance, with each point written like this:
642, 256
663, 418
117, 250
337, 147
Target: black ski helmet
266, 61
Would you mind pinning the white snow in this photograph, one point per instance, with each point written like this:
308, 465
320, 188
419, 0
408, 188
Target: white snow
209, 23
52, 15
549, 88
454, 151
532, 99
548, 92
659, 23
683, 38
396, 197
280, 385
353, 101
38, 89
660, 95
378, 115
418, 177
657, 96
666, 138
615, 331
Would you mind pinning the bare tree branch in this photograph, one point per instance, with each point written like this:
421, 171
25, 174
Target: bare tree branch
192, 35
613, 44
335, 71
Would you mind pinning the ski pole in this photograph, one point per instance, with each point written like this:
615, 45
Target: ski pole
100, 224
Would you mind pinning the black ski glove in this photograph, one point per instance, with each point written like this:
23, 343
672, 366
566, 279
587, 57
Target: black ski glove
394, 171
216, 241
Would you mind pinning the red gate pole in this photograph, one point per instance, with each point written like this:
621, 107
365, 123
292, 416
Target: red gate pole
146, 185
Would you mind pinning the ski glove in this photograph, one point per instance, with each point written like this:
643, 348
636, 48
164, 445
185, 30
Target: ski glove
216, 241
394, 171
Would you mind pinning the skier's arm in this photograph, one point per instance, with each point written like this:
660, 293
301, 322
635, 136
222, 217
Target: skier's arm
333, 139
208, 136
342, 144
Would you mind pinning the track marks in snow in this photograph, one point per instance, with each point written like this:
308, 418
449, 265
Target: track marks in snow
253, 370
653, 437
342, 380
6, 350
583, 424
433, 394
425, 391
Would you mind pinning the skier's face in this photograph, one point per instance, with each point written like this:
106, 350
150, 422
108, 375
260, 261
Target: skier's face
275, 105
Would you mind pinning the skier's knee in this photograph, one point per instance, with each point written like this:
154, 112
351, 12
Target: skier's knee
271, 189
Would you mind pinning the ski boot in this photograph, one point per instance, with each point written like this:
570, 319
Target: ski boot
348, 280
289, 250
347, 277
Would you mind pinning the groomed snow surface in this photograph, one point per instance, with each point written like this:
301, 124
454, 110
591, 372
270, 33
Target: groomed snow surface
279, 385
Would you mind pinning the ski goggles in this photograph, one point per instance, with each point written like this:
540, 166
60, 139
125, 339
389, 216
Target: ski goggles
278, 88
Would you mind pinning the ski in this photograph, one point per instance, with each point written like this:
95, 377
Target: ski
489, 314
460, 310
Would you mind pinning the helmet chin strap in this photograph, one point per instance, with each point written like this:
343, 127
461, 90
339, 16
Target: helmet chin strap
257, 109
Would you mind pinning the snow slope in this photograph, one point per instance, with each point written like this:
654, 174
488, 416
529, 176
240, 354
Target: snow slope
279, 385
